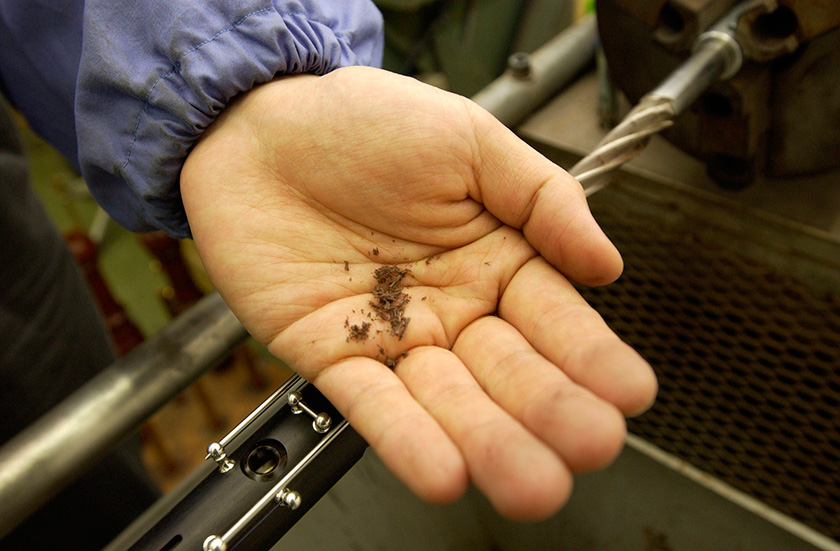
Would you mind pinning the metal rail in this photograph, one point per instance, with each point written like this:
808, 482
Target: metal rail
533, 79
50, 453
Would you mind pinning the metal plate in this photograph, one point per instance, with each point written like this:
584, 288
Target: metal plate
748, 360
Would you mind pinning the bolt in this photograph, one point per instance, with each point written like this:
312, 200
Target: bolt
519, 64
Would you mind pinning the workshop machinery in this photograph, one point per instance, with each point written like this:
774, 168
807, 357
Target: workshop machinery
721, 189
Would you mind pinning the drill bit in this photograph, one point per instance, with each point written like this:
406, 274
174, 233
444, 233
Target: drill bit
717, 56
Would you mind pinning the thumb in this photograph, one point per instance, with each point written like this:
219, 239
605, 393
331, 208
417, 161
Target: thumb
527, 191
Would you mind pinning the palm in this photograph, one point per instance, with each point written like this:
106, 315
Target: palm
294, 210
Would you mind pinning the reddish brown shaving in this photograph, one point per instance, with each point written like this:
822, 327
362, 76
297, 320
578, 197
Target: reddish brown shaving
357, 332
390, 300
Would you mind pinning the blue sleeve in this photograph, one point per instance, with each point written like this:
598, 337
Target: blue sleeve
153, 74
40, 43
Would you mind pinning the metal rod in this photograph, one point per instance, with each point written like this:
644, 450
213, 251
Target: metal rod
53, 451
517, 93
717, 55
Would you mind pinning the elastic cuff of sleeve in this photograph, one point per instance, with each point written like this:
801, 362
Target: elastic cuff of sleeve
135, 177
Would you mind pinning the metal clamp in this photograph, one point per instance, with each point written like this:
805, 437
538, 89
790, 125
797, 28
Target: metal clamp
321, 421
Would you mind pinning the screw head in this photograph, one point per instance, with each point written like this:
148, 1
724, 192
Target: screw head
519, 64
322, 423
214, 543
292, 500
289, 498
294, 398
214, 450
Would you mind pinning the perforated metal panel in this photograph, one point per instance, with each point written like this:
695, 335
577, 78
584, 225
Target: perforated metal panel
748, 361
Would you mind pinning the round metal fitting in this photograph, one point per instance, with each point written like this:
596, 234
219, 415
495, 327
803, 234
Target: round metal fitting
289, 498
294, 399
519, 64
265, 461
217, 452
322, 423
734, 56
214, 543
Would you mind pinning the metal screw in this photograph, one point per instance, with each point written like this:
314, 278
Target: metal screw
217, 452
519, 64
288, 498
214, 543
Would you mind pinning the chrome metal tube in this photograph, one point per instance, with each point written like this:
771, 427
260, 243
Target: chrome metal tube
708, 64
717, 56
54, 450
518, 92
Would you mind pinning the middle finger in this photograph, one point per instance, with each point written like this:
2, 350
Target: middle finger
586, 431
520, 475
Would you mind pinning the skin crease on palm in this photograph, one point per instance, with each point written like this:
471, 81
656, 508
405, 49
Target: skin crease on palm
505, 377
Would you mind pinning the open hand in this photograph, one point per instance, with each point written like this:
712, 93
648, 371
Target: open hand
408, 254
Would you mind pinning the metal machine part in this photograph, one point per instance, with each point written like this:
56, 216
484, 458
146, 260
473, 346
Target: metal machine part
53, 451
269, 471
465, 43
531, 79
716, 56
780, 116
746, 355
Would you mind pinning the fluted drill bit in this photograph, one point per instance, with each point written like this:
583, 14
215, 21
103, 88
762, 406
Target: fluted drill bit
717, 56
